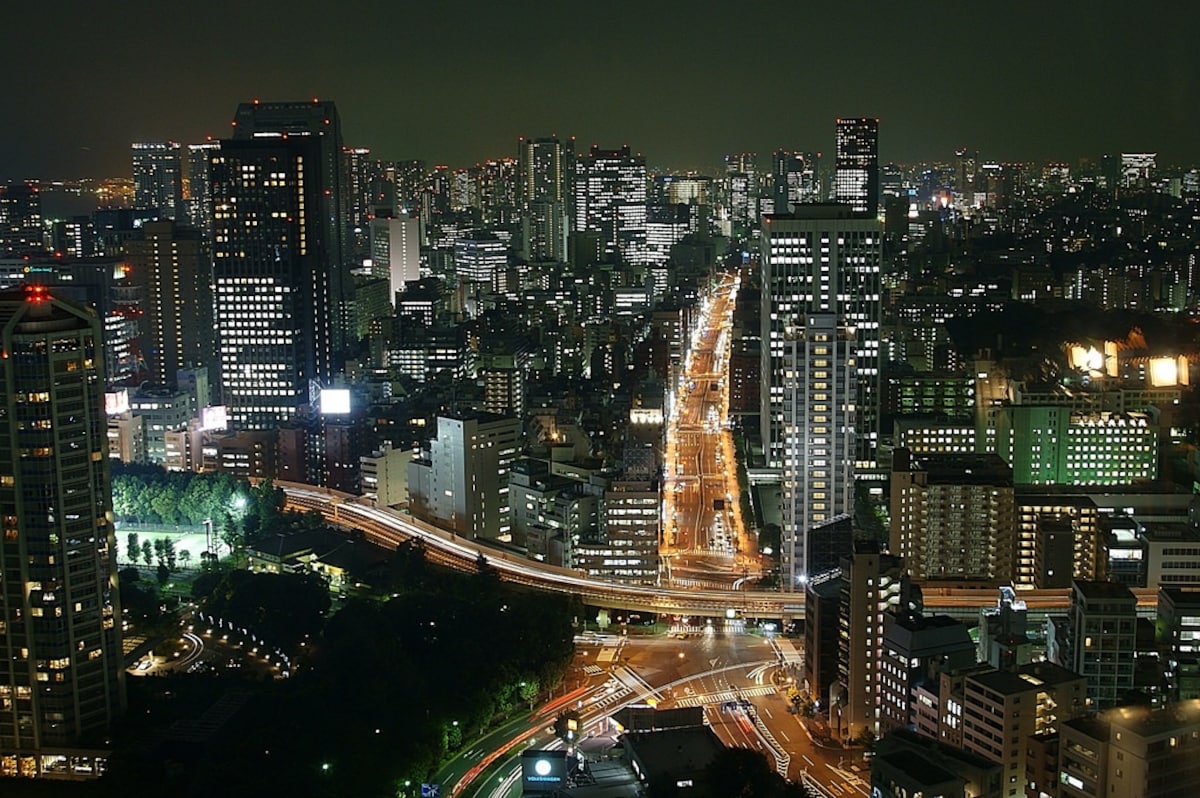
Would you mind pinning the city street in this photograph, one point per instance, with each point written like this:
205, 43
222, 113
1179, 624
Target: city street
705, 542
736, 677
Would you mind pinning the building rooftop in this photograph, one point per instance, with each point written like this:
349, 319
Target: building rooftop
917, 768
1027, 677
1092, 590
1150, 723
964, 469
1166, 531
1094, 726
1179, 597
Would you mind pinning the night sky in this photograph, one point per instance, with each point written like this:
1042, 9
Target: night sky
681, 82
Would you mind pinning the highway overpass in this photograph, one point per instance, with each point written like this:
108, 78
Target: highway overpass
389, 528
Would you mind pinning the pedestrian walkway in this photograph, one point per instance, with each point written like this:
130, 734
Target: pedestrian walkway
723, 697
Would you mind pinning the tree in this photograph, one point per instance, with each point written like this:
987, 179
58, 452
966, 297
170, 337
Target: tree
741, 772
163, 573
865, 738
230, 535
160, 555
133, 548
169, 553
147, 552
185, 557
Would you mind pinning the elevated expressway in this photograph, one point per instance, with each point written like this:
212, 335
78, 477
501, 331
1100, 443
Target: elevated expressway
389, 528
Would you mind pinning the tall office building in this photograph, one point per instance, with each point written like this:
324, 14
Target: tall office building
61, 680
795, 179
546, 170
271, 276
856, 164
170, 266
21, 219
480, 257
461, 482
362, 179
319, 121
820, 360
610, 199
396, 251
197, 195
158, 178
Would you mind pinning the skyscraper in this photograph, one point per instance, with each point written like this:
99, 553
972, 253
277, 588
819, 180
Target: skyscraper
61, 682
319, 121
197, 194
546, 170
396, 251
856, 164
795, 178
820, 360
20, 220
157, 178
171, 267
610, 199
271, 275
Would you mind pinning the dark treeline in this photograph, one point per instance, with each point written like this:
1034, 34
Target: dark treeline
383, 691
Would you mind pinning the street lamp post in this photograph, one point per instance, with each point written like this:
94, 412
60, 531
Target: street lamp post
208, 535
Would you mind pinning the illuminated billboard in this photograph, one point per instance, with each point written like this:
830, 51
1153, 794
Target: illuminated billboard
116, 402
543, 771
215, 417
335, 401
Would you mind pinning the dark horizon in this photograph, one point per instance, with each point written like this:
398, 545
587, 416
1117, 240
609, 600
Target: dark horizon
1018, 83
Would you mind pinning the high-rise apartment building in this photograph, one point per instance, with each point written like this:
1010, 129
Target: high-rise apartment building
820, 360
1058, 539
360, 176
953, 516
856, 164
871, 587
61, 681
610, 199
170, 264
271, 276
158, 178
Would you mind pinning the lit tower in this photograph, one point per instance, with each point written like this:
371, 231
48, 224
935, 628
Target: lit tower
610, 199
157, 178
62, 677
319, 121
272, 298
820, 362
856, 164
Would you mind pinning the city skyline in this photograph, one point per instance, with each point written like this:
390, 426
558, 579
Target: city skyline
681, 88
